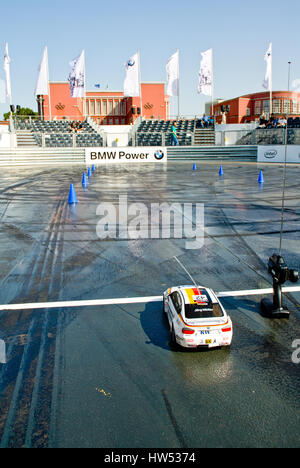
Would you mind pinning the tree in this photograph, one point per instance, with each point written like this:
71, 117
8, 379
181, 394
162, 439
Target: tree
24, 111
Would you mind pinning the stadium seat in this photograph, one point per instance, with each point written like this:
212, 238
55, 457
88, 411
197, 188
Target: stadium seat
58, 133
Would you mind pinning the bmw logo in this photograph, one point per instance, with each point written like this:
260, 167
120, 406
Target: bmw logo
158, 154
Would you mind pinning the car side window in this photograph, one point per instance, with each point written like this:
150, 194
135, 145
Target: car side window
176, 299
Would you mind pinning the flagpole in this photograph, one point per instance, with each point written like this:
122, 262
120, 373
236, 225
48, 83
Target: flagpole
212, 85
11, 120
84, 96
284, 167
178, 86
50, 112
267, 83
140, 80
271, 81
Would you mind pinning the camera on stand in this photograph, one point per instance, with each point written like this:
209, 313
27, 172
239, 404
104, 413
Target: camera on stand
280, 274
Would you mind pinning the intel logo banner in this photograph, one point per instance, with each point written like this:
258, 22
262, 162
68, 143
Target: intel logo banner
128, 154
270, 154
276, 154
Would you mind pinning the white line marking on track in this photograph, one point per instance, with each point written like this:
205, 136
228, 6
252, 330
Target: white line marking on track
92, 302
133, 300
256, 292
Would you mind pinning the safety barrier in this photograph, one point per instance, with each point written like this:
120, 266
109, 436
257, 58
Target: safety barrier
237, 153
39, 156
42, 156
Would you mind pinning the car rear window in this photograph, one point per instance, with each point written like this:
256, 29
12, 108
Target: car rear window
195, 311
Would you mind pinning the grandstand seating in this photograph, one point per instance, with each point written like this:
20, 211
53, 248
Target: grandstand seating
150, 132
294, 122
57, 133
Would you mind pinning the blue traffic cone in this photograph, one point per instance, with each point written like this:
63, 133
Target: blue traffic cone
260, 178
72, 195
93, 167
221, 171
89, 172
194, 167
84, 180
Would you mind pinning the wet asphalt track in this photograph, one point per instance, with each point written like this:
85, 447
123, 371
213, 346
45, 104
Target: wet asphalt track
106, 376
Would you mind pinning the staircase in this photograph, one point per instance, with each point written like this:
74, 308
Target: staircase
25, 139
203, 136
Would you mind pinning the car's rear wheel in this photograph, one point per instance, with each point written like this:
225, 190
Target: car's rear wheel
173, 341
226, 347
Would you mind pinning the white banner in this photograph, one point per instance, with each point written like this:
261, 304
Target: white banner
172, 69
132, 78
77, 77
276, 154
43, 77
205, 85
127, 154
7, 71
267, 83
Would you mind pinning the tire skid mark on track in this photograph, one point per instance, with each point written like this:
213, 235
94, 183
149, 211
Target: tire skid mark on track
38, 285
27, 181
173, 420
10, 420
52, 261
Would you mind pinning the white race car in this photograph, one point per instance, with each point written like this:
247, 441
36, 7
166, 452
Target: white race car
196, 317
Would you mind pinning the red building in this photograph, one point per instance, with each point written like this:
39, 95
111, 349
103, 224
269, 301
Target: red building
249, 107
105, 107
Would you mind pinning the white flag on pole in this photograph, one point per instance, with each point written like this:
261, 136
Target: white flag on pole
267, 83
7, 71
172, 69
77, 77
132, 77
205, 85
42, 85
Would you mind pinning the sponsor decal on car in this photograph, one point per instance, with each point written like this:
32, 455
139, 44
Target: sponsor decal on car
196, 296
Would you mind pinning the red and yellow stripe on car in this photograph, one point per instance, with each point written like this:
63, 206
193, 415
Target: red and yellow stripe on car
193, 294
195, 297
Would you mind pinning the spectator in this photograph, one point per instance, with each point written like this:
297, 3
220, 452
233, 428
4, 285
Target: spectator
204, 121
282, 122
174, 139
211, 121
272, 122
262, 120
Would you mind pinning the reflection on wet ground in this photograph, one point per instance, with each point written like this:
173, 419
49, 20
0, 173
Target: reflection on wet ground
106, 376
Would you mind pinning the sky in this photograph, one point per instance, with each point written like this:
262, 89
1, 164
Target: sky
110, 32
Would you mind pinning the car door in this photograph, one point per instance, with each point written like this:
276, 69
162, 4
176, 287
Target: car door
175, 305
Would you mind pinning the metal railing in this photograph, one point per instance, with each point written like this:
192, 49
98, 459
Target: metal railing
60, 140
222, 138
226, 137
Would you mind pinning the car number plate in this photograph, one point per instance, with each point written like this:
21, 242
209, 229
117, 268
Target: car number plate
208, 341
